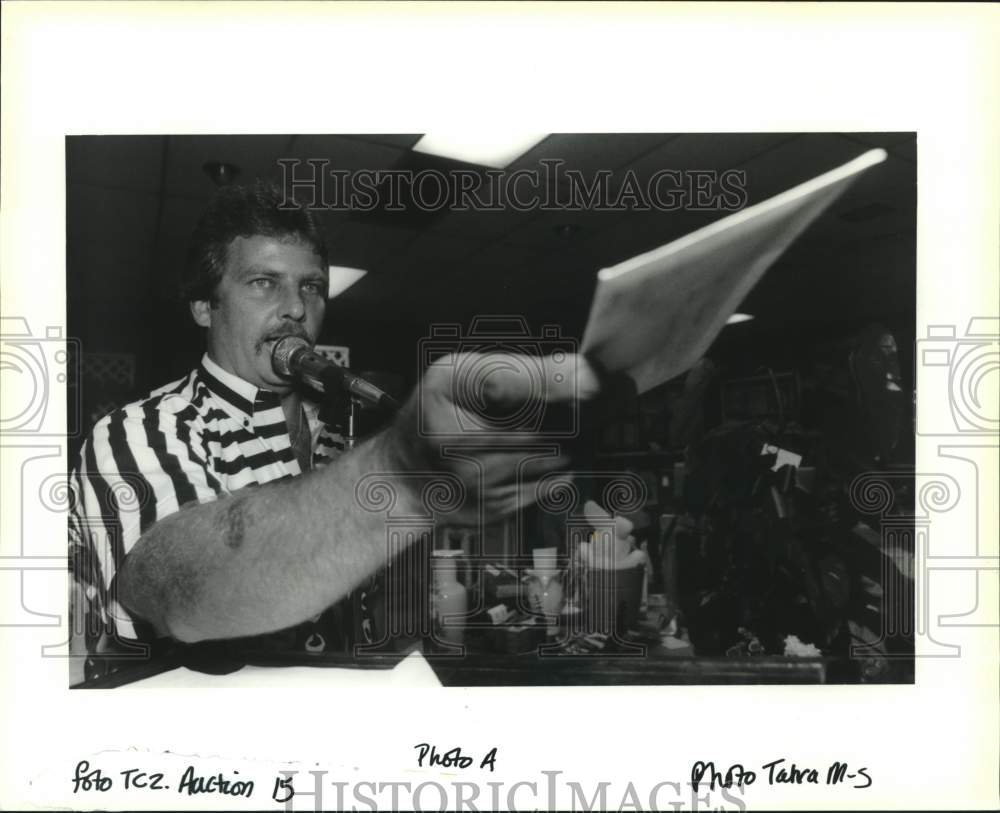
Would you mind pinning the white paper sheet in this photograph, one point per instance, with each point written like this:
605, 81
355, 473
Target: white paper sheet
655, 315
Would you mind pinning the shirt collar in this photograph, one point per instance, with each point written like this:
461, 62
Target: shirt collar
240, 397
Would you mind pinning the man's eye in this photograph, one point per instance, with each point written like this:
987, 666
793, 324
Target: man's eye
264, 283
314, 288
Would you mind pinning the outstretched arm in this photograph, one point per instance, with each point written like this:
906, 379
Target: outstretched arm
260, 559
266, 558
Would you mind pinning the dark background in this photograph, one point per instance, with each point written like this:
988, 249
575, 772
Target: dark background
735, 545
132, 202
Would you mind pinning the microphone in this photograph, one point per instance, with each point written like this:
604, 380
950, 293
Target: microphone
292, 357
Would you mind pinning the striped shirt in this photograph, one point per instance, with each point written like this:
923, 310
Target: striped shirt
206, 435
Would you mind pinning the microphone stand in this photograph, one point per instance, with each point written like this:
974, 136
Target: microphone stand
333, 400
354, 608
351, 433
351, 609
342, 410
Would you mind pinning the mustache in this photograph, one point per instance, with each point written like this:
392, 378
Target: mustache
290, 330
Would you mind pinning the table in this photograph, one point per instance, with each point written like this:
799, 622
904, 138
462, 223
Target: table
485, 669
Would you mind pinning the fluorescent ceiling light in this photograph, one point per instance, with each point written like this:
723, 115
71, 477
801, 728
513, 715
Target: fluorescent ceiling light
342, 278
487, 149
736, 318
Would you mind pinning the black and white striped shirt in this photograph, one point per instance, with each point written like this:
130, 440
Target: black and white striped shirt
209, 434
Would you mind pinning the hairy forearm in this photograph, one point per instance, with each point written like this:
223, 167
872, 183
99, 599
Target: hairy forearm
264, 558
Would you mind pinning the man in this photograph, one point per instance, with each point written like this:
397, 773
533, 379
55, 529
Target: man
220, 506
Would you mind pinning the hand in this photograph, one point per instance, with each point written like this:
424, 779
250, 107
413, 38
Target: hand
491, 420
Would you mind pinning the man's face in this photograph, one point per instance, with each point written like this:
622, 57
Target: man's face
270, 288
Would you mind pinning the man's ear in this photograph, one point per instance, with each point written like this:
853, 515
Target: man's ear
201, 311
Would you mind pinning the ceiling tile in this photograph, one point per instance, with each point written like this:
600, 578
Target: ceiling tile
646, 182
430, 257
796, 161
483, 262
907, 150
481, 223
124, 162
546, 230
109, 234
811, 281
344, 152
590, 152
256, 157
503, 254
109, 265
403, 141
895, 178
880, 139
177, 222
639, 233
882, 201
362, 245
709, 151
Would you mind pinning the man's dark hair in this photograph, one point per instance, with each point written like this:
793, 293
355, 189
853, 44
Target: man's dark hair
239, 211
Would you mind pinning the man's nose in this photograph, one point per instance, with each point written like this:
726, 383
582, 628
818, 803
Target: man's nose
293, 304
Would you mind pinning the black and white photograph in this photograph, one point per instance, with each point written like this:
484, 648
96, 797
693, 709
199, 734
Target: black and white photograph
499, 406
558, 409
